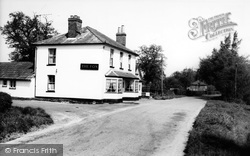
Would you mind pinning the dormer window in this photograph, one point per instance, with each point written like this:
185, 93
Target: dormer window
52, 57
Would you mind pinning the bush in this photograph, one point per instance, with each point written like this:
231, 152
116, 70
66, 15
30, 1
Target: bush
5, 101
21, 120
221, 128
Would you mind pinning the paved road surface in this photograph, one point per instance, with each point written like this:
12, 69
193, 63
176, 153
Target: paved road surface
154, 127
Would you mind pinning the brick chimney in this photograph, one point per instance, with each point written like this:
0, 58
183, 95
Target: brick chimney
74, 26
121, 36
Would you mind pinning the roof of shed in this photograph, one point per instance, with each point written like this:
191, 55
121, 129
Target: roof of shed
88, 36
16, 70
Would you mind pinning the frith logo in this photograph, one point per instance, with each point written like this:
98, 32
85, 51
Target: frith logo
210, 28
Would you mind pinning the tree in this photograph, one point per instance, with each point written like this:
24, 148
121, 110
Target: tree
21, 31
181, 80
226, 70
151, 63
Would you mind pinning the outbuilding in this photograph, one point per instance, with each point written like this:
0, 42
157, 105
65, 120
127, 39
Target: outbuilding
17, 79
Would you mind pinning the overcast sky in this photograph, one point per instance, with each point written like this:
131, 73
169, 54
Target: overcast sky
161, 22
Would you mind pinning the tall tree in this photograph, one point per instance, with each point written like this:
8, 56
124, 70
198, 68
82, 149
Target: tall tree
226, 70
21, 31
151, 62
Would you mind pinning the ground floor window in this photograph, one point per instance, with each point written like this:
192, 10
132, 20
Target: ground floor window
12, 84
129, 85
111, 85
120, 86
136, 86
4, 83
51, 82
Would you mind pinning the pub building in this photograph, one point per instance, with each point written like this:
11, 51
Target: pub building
86, 64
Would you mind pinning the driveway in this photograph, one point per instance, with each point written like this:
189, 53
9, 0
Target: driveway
147, 127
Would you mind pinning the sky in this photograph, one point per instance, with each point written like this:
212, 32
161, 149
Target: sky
160, 22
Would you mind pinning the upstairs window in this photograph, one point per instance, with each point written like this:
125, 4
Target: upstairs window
51, 83
111, 61
121, 59
52, 57
4, 83
129, 62
12, 84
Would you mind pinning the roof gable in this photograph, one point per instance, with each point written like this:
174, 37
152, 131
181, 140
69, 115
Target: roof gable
16, 70
87, 36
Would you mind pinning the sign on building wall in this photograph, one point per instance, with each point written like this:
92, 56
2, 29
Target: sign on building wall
89, 66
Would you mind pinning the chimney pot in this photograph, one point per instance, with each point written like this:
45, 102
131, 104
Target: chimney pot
122, 29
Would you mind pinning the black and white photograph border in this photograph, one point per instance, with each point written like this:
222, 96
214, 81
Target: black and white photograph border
124, 77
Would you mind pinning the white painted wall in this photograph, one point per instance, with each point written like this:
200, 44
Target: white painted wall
23, 89
70, 81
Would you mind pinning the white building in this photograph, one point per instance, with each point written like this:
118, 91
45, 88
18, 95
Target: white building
86, 64
17, 79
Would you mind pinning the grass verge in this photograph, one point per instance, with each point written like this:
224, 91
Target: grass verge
221, 129
18, 120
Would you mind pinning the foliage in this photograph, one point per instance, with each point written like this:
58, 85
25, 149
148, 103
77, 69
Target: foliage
21, 31
221, 128
151, 63
5, 101
219, 69
180, 80
21, 120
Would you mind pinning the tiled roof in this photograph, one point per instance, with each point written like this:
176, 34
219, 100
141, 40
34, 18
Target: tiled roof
121, 74
88, 36
16, 70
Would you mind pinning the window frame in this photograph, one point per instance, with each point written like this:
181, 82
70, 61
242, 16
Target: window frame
121, 60
111, 58
114, 88
5, 85
136, 86
50, 83
130, 87
129, 63
12, 84
120, 86
52, 56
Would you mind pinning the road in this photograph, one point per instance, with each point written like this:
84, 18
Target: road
151, 127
